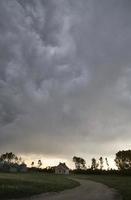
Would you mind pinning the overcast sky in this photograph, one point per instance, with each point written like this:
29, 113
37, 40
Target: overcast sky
65, 77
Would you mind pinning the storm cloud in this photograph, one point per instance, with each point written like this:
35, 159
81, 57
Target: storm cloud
65, 76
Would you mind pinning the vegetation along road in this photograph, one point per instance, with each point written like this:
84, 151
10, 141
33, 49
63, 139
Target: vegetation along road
21, 185
121, 183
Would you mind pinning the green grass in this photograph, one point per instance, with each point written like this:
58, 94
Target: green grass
28, 184
121, 183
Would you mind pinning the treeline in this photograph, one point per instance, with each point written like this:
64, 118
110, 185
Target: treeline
9, 162
122, 161
102, 172
80, 163
10, 158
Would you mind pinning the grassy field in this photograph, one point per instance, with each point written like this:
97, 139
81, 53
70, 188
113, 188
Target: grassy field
24, 185
121, 183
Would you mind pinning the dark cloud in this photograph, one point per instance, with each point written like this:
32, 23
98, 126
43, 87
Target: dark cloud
64, 76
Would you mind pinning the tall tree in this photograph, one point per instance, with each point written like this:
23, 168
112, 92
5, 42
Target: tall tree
101, 163
39, 163
20, 160
107, 163
32, 164
83, 163
8, 157
123, 159
94, 164
16, 159
80, 163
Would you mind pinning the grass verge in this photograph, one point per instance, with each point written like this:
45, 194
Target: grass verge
121, 183
25, 185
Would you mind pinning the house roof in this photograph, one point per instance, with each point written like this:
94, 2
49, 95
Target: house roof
62, 165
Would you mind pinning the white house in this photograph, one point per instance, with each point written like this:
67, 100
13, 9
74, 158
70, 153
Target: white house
61, 169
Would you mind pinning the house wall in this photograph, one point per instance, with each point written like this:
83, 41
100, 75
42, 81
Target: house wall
61, 171
67, 171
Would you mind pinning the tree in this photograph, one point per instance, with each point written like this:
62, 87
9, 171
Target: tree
39, 163
123, 159
101, 163
83, 163
16, 159
80, 163
107, 163
94, 164
8, 157
32, 164
20, 160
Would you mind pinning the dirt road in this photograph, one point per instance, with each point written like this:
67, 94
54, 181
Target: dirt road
88, 190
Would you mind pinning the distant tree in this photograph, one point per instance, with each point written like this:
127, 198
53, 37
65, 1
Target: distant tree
76, 160
32, 164
11, 157
123, 159
20, 160
83, 164
23, 163
16, 159
101, 163
94, 164
39, 163
3, 158
8, 157
107, 163
80, 163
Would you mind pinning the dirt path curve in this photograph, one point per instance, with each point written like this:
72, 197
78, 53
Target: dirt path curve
88, 190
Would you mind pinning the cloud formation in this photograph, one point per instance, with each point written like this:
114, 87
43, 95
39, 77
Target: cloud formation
65, 73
